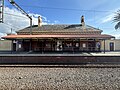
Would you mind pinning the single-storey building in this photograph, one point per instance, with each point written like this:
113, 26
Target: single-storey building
60, 38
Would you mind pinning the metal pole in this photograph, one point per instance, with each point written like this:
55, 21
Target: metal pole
30, 34
23, 12
73, 46
30, 26
12, 47
79, 45
104, 45
30, 47
1, 10
11, 31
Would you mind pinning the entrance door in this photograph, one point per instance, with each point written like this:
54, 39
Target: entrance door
111, 46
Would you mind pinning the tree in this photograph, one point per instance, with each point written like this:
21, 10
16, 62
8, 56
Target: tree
117, 19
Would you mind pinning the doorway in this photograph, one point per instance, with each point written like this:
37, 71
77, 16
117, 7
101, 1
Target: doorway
14, 46
111, 46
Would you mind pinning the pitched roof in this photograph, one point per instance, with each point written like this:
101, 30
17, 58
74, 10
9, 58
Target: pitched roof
60, 27
59, 31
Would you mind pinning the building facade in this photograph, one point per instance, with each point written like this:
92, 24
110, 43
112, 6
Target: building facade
5, 45
60, 38
111, 45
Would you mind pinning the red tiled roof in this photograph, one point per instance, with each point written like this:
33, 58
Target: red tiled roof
57, 36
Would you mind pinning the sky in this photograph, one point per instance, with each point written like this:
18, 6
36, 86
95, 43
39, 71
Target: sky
97, 13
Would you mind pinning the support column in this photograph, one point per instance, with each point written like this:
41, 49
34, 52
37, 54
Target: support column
42, 46
73, 46
17, 45
87, 46
63, 44
11, 46
37, 46
79, 45
94, 45
1, 10
30, 48
51, 41
54, 44
21, 45
104, 45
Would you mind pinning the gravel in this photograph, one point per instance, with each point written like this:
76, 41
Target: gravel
38, 78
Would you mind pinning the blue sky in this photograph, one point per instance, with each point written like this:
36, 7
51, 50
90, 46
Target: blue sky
98, 13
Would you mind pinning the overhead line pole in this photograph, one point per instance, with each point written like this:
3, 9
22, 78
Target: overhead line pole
23, 12
1, 10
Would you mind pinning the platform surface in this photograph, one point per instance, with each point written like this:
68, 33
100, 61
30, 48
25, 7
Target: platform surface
60, 54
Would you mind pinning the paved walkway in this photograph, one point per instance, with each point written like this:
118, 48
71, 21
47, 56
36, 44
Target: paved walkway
106, 54
60, 54
80, 54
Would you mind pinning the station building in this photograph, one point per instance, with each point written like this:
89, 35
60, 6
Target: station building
59, 38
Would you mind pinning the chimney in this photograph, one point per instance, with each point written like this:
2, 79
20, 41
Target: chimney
39, 21
83, 22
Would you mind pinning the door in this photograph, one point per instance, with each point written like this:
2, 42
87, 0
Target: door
14, 46
111, 46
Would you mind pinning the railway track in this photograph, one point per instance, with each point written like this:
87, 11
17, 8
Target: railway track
61, 66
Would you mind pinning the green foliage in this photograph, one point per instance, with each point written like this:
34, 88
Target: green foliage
117, 19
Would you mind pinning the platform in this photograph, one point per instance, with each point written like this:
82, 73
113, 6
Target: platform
64, 58
9, 53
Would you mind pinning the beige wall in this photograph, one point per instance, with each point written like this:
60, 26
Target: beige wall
5, 45
107, 45
117, 44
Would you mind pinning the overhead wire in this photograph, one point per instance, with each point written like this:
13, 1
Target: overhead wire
15, 15
70, 9
9, 25
55, 8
